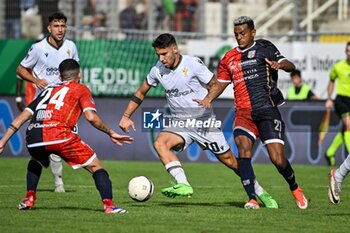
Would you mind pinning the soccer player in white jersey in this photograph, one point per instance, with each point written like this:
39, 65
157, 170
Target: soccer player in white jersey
43, 58
186, 81
336, 178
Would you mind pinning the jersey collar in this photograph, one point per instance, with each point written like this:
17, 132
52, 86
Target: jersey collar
47, 40
178, 63
242, 51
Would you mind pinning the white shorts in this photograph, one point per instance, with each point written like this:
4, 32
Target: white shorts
210, 139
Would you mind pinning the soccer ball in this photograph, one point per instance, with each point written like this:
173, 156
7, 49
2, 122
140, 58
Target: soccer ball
140, 188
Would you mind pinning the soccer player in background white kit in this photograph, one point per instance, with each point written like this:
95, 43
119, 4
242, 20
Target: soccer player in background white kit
186, 81
43, 58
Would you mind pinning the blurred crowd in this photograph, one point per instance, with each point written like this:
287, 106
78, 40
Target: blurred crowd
27, 18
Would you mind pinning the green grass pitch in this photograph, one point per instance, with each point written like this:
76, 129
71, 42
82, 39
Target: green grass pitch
216, 205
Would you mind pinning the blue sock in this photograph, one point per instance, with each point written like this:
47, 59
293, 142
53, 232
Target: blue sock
33, 174
103, 183
247, 176
288, 174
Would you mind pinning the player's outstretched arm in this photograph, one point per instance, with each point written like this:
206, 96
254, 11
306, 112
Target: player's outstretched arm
134, 103
14, 126
215, 88
99, 124
119, 139
285, 65
26, 75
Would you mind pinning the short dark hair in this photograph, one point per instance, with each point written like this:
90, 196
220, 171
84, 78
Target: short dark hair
244, 20
57, 16
295, 72
348, 44
69, 69
164, 41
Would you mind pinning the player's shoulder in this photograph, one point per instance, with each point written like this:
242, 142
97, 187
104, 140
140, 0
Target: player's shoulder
75, 86
229, 53
80, 86
189, 60
39, 43
158, 69
69, 42
341, 63
264, 43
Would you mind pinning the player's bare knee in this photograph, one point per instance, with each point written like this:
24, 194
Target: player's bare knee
244, 152
159, 145
228, 160
94, 166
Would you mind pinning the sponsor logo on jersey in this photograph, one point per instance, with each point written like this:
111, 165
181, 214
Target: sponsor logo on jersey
46, 54
176, 93
44, 115
52, 71
68, 52
40, 126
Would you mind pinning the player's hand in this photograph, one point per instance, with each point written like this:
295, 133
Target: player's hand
41, 83
329, 104
205, 103
125, 123
120, 139
274, 64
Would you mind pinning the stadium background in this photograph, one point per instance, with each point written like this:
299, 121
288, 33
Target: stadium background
117, 54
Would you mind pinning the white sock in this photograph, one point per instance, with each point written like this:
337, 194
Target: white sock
343, 170
258, 189
56, 168
177, 172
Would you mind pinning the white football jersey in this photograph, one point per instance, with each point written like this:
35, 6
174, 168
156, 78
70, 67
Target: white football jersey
44, 59
183, 84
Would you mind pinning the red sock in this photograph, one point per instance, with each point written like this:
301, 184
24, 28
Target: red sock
31, 193
108, 202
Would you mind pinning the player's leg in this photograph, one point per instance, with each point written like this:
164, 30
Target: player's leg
245, 145
342, 108
230, 161
336, 178
39, 159
104, 186
245, 133
164, 144
346, 122
276, 153
57, 168
215, 141
79, 155
336, 143
271, 128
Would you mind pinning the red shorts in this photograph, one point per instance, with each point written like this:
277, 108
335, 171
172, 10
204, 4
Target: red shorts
74, 151
244, 122
29, 94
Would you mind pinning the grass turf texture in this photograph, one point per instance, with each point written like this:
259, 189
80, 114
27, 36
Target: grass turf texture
216, 206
